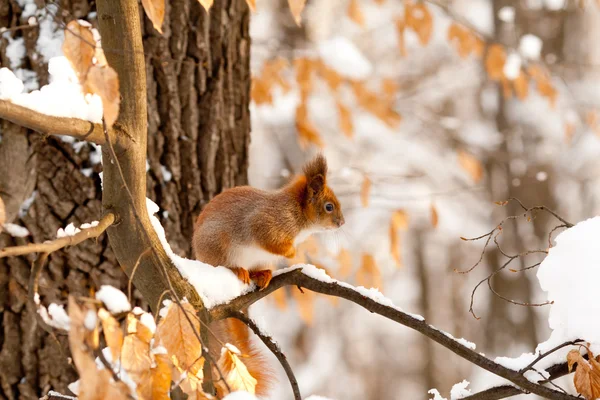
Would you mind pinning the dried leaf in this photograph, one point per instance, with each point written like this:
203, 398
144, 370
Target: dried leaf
346, 124
400, 26
400, 220
112, 333
521, 86
296, 7
252, 5
235, 372
305, 302
376, 105
470, 164
365, 191
465, 41
419, 19
104, 82
389, 88
344, 260
587, 374
280, 299
179, 337
434, 215
494, 62
307, 133
304, 71
156, 384
155, 10
79, 47
135, 357
355, 14
207, 4
329, 75
368, 275
543, 81
395, 244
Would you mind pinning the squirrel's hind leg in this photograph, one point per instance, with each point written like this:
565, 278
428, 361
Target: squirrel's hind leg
261, 278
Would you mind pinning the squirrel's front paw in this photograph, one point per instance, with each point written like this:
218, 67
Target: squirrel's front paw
261, 278
242, 274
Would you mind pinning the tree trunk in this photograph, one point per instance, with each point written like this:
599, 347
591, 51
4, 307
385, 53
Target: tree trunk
198, 83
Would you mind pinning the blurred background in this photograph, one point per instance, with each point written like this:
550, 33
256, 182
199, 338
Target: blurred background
429, 113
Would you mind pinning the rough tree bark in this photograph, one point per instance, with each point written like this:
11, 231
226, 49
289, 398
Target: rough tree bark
198, 84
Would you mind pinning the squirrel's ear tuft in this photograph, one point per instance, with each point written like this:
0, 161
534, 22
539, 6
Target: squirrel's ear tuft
317, 166
315, 185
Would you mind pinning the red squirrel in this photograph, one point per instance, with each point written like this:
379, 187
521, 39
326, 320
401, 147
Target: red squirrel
247, 229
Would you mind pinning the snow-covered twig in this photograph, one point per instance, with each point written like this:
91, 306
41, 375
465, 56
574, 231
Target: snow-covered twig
51, 125
274, 347
57, 244
331, 287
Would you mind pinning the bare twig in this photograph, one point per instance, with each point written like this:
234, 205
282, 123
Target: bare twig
333, 288
543, 355
57, 244
51, 125
274, 347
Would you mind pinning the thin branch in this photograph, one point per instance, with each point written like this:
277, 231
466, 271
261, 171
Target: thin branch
57, 244
542, 355
274, 347
51, 125
339, 289
52, 395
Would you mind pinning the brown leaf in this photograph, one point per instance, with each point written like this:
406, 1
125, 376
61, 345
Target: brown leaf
494, 62
395, 244
304, 71
79, 47
235, 372
178, 336
330, 76
400, 220
156, 384
346, 124
112, 333
389, 88
400, 26
207, 4
376, 105
470, 164
135, 357
365, 191
587, 374
104, 82
344, 260
252, 5
368, 275
542, 78
521, 86
355, 14
155, 10
307, 133
296, 7
434, 215
419, 19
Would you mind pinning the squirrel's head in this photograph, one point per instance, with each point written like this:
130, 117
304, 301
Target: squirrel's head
322, 207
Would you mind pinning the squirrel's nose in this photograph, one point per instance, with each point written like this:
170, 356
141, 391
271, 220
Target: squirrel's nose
340, 221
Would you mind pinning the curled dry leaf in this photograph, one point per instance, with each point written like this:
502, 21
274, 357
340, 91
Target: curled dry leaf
135, 357
207, 4
376, 105
296, 7
419, 19
587, 374
365, 191
155, 10
104, 82
235, 372
494, 62
470, 164
465, 41
179, 337
346, 124
307, 133
355, 14
156, 384
329, 75
395, 244
543, 82
112, 333
269, 76
79, 48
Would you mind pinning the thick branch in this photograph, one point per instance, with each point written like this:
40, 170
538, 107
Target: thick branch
274, 347
332, 288
57, 244
48, 124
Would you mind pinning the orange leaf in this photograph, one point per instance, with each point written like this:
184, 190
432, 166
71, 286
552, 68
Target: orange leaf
470, 164
587, 374
434, 215
307, 133
79, 47
419, 19
235, 372
207, 4
355, 14
521, 86
304, 71
400, 25
251, 4
400, 220
376, 105
305, 302
331, 77
155, 10
135, 357
365, 191
494, 62
296, 7
395, 244
156, 384
368, 275
280, 299
389, 88
112, 333
345, 120
104, 82
344, 260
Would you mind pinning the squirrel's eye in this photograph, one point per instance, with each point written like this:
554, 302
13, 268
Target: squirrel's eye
328, 207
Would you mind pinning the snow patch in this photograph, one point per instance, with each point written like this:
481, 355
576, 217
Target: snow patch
114, 300
459, 390
16, 230
340, 54
530, 46
512, 67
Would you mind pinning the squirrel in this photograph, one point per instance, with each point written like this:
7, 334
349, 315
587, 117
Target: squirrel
247, 229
